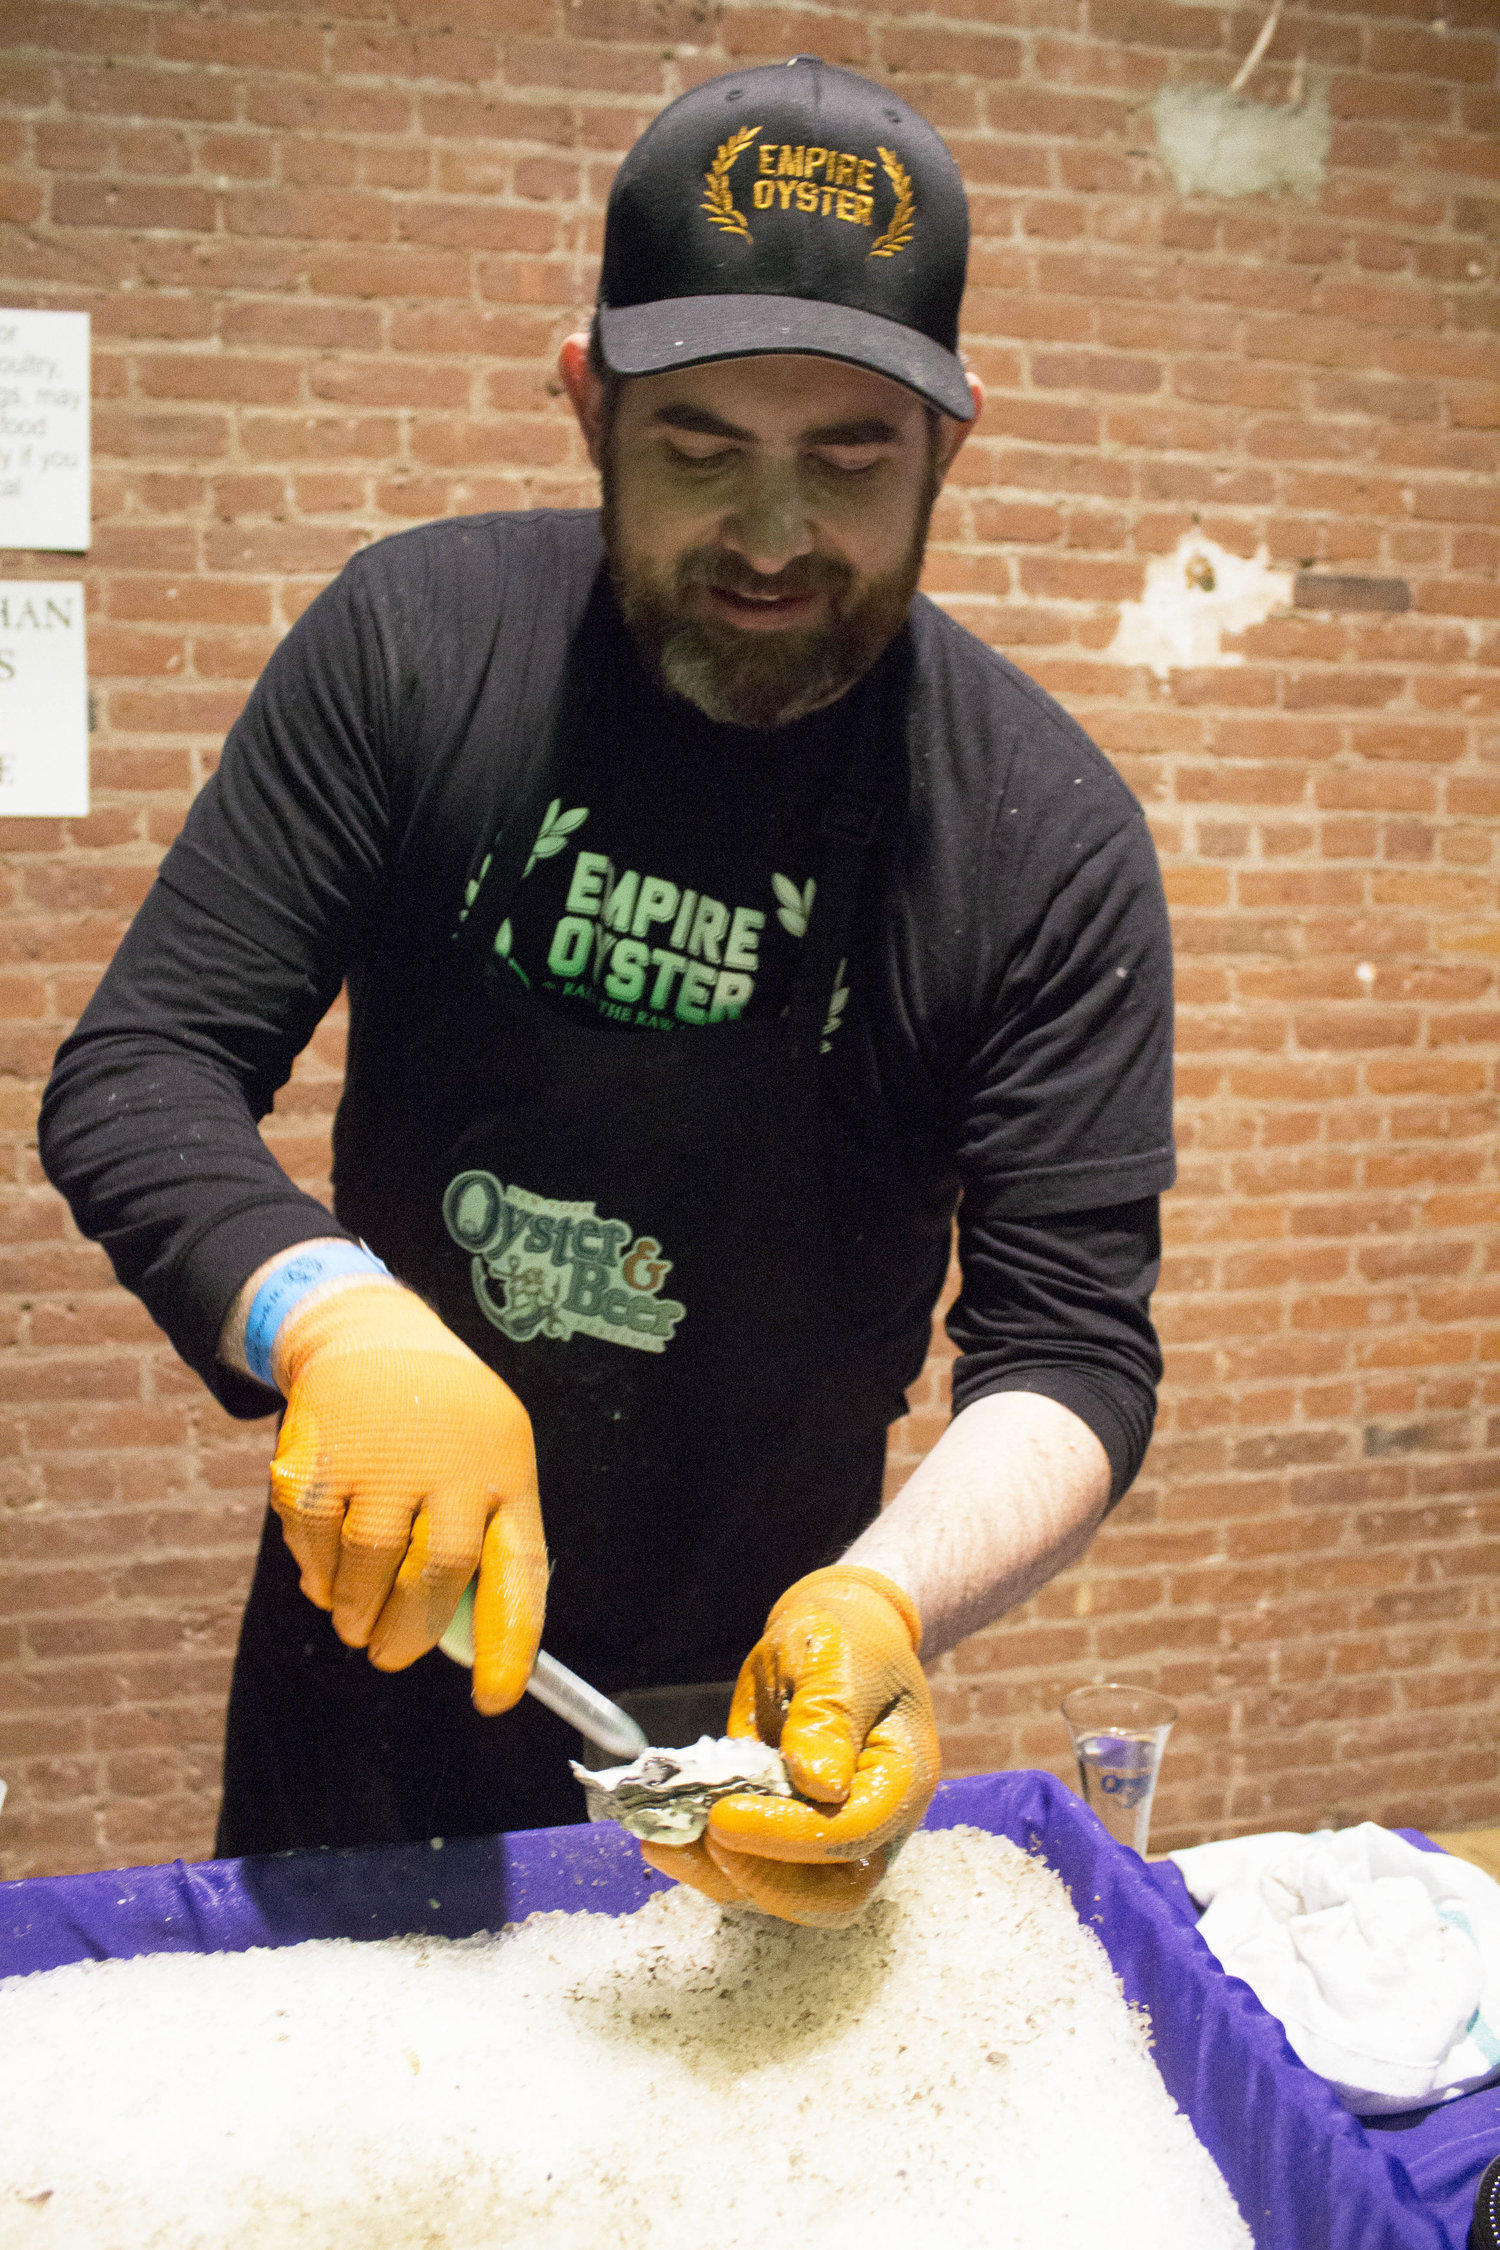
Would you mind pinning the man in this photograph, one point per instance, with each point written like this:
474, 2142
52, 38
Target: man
714, 916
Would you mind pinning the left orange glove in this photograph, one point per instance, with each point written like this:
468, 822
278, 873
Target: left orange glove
405, 1465
835, 1685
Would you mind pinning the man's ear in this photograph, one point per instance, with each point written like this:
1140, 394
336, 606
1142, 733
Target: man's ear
586, 391
952, 434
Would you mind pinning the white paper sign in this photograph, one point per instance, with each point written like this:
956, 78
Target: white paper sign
44, 430
44, 698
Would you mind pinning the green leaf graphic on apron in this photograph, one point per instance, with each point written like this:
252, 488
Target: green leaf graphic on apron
836, 1007
503, 942
557, 827
795, 909
471, 889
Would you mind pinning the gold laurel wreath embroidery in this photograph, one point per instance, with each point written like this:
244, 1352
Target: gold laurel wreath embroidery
717, 201
898, 234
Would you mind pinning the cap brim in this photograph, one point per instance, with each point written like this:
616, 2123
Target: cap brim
689, 331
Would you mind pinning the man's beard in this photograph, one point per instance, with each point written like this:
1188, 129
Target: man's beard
745, 678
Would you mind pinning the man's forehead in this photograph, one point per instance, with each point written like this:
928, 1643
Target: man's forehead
773, 394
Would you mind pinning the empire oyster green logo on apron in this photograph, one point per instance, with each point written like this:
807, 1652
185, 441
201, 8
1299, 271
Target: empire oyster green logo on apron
544, 1268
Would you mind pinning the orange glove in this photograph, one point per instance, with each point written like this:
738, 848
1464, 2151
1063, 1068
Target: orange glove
404, 1465
835, 1685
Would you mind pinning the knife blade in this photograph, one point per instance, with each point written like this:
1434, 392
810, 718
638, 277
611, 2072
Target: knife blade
597, 1719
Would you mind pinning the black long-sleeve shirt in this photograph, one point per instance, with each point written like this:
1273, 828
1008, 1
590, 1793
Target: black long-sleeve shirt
1009, 981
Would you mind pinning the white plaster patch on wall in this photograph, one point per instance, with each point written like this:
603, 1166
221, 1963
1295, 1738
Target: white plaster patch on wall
1216, 142
1193, 597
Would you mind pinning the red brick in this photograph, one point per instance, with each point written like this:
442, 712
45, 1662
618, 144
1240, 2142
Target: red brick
116, 91
192, 38
175, 711
487, 225
1080, 578
558, 66
312, 214
1033, 109
1153, 23
770, 34
1003, 164
986, 55
85, 203
396, 165
1095, 371
372, 51
389, 272
1433, 54
76, 29
1041, 421
217, 376
318, 437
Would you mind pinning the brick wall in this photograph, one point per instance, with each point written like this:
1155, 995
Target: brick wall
329, 252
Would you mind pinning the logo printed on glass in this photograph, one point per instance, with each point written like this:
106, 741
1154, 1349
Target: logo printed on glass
544, 1268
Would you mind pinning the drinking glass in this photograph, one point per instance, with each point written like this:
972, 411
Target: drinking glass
1119, 1734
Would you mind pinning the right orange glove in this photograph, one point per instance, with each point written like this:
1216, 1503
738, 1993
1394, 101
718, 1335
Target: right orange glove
836, 1683
404, 1465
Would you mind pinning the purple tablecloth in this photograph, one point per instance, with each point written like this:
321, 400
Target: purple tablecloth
1306, 2175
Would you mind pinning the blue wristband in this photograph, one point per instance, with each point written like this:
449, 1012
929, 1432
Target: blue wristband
275, 1297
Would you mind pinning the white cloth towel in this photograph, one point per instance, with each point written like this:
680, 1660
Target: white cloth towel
1382, 1961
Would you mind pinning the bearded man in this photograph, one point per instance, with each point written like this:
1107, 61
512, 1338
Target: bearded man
717, 919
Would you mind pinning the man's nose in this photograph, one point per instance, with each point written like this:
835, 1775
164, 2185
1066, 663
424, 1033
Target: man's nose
769, 527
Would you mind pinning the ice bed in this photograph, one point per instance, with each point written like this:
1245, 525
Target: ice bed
1306, 2175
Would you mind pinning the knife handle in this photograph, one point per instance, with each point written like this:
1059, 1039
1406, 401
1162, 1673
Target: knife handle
603, 1723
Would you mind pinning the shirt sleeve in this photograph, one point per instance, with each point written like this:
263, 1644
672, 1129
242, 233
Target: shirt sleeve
1066, 1100
1064, 1136
149, 1124
1060, 1306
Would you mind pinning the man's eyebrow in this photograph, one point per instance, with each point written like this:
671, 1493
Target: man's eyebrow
867, 429
701, 422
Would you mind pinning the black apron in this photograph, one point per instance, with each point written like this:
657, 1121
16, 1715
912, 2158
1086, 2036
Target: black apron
637, 1232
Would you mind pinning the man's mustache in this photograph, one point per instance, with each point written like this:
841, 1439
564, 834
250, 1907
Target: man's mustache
728, 573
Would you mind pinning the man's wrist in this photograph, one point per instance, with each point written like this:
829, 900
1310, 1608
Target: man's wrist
247, 1340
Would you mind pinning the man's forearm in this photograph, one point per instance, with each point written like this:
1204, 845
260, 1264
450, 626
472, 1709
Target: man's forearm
1012, 1493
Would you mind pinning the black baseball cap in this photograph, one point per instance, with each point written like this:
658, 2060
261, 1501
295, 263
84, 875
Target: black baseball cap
794, 208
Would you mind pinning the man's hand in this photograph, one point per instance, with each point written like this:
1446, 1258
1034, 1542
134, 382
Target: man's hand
405, 1465
835, 1684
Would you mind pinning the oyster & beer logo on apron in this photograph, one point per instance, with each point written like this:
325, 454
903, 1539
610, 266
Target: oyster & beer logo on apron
545, 1268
